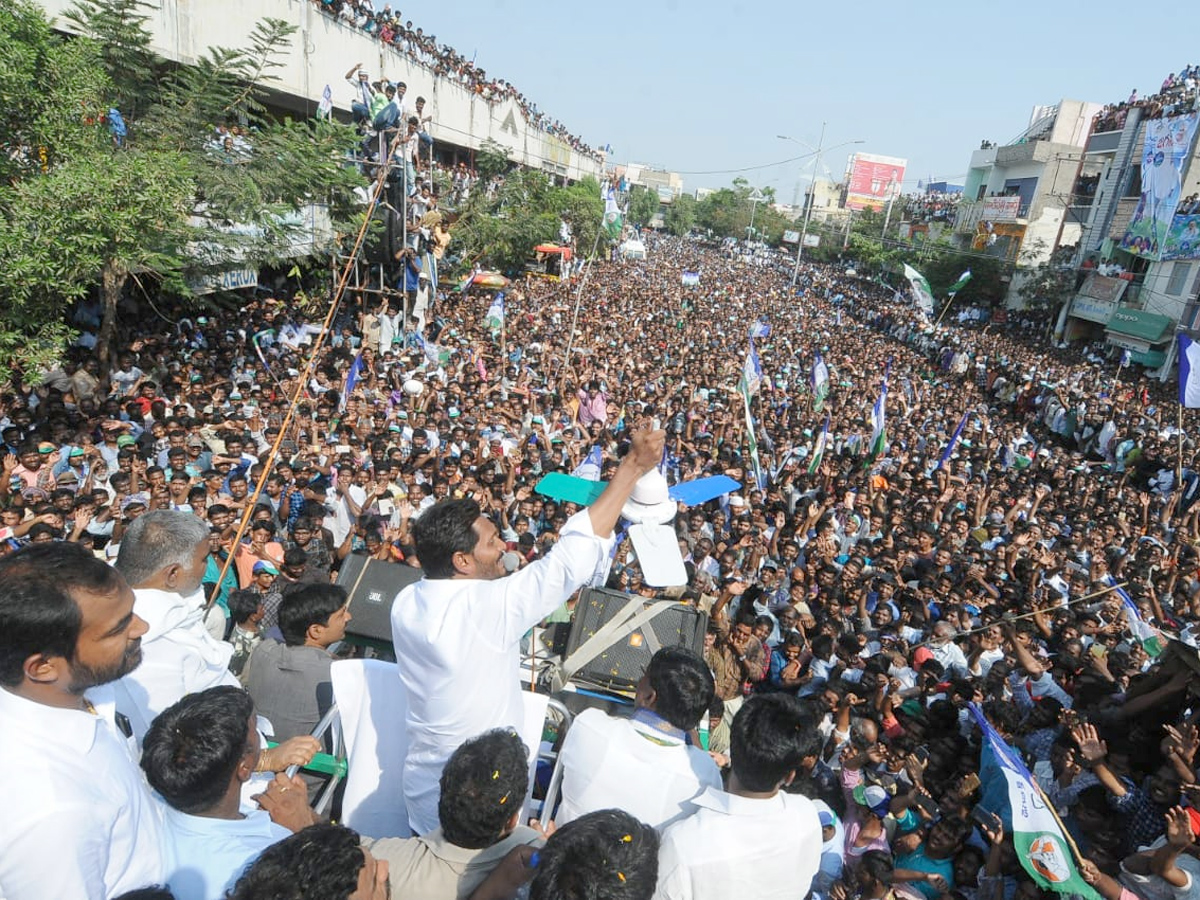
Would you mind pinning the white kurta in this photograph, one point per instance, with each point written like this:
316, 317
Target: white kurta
179, 657
457, 648
79, 819
740, 847
612, 763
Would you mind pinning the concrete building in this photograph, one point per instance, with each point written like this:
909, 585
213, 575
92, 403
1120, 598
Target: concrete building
1130, 300
1017, 197
669, 185
321, 51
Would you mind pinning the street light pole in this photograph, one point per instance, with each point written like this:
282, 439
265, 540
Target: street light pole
808, 205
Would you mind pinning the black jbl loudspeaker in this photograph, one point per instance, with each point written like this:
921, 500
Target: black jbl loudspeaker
373, 586
620, 665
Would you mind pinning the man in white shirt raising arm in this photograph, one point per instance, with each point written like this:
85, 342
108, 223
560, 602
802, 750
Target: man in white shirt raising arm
457, 631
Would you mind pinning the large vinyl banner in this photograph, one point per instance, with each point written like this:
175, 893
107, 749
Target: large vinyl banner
874, 180
1163, 160
1183, 240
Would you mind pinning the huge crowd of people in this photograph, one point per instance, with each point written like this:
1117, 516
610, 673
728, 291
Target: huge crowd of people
1178, 94
443, 61
860, 595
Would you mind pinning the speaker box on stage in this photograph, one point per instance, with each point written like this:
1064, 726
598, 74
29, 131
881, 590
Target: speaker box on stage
621, 665
373, 586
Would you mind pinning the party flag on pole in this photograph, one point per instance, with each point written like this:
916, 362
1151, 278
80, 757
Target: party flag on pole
1143, 632
953, 442
1041, 846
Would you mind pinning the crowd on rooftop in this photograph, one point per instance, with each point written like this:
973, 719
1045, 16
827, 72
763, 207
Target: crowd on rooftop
1177, 95
444, 62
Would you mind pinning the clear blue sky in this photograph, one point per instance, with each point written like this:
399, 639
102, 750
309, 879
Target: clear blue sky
699, 86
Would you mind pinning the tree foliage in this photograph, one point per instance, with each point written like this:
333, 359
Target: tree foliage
680, 217
491, 159
83, 207
500, 231
643, 205
728, 213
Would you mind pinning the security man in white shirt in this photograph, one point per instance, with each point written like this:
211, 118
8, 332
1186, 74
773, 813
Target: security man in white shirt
80, 821
645, 765
754, 841
457, 631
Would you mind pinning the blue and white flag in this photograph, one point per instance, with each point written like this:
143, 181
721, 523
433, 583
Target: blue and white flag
1143, 632
879, 419
949, 451
495, 314
325, 107
818, 453
752, 371
589, 469
690, 279
760, 329
1126, 359
820, 382
352, 377
1189, 373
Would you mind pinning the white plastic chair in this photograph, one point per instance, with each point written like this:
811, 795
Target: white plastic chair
373, 709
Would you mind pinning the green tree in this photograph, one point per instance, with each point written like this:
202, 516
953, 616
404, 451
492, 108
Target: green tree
643, 205
1045, 284
491, 159
84, 208
680, 217
501, 231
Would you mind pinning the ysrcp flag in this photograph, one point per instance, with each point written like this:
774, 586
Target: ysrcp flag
820, 382
1037, 838
960, 284
752, 371
1143, 633
921, 293
495, 314
589, 469
613, 221
1189, 373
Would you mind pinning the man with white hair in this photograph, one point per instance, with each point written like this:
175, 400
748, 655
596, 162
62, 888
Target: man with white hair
163, 556
946, 652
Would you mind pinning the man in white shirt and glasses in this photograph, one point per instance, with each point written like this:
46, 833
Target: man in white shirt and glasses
457, 631
80, 820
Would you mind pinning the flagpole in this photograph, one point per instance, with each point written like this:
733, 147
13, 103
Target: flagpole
1028, 615
1079, 857
1179, 459
945, 309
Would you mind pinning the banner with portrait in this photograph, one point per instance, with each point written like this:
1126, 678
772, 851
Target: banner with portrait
1164, 157
1183, 238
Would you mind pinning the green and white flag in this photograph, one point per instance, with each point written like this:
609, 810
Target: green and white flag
1149, 639
818, 453
879, 420
820, 383
960, 284
759, 478
613, 221
494, 319
1038, 839
921, 293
